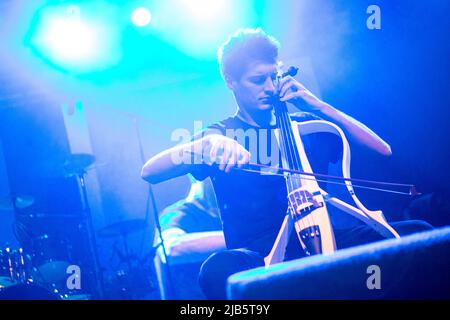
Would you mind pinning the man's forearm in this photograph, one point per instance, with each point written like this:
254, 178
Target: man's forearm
356, 131
168, 164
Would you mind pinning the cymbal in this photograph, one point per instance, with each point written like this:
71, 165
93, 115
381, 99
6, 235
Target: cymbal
77, 163
22, 202
122, 228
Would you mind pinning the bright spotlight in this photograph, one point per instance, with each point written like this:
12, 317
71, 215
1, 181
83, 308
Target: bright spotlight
71, 39
76, 39
198, 27
141, 17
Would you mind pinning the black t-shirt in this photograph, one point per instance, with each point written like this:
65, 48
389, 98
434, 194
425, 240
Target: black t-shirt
253, 205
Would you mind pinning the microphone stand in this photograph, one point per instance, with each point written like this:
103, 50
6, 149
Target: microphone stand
98, 278
151, 198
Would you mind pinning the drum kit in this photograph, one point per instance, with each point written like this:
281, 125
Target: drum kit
38, 268
21, 272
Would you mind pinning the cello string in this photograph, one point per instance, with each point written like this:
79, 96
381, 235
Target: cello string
290, 155
295, 158
291, 183
285, 147
296, 162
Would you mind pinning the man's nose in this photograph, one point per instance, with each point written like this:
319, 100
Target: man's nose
269, 86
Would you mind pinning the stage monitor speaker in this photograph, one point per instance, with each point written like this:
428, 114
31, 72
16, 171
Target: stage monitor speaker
413, 267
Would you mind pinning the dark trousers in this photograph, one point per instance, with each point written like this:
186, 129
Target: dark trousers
219, 266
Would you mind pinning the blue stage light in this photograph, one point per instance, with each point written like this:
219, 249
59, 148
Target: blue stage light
141, 17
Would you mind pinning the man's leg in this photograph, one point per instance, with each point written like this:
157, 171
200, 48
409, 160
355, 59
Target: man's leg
220, 265
364, 234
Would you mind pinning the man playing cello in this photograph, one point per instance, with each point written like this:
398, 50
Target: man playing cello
253, 206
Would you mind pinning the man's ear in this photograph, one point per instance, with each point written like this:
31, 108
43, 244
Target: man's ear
230, 82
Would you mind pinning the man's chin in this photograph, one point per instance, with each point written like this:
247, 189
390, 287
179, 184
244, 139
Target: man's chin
265, 106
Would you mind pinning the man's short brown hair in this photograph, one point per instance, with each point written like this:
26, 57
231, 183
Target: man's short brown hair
243, 47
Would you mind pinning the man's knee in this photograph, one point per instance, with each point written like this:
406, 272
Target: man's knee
215, 271
411, 226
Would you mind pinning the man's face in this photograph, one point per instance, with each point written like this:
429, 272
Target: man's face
255, 87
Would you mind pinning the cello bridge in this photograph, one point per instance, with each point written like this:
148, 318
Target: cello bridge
302, 203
